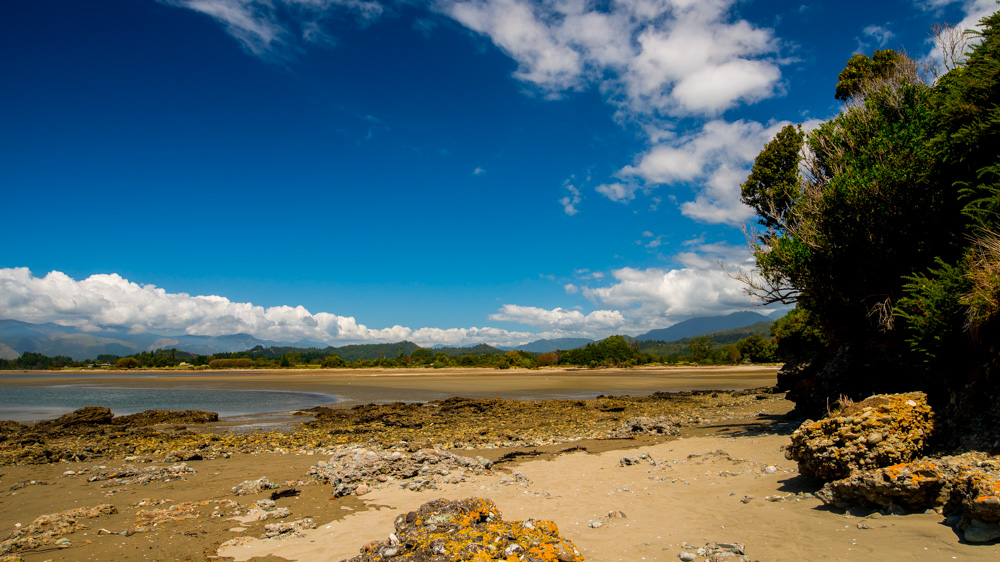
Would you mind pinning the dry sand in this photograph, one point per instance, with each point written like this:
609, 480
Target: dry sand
695, 494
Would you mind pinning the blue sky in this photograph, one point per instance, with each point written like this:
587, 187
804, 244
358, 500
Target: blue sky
445, 172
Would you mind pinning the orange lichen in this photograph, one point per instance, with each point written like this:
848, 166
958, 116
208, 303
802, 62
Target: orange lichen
469, 530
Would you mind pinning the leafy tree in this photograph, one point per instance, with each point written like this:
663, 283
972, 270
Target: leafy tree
700, 348
886, 239
333, 362
758, 349
862, 73
127, 363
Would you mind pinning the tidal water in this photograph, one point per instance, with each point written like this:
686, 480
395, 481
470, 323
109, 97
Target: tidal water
34, 403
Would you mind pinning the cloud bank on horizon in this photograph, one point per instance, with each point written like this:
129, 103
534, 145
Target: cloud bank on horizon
644, 299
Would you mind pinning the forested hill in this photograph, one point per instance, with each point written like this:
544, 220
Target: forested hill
702, 326
363, 352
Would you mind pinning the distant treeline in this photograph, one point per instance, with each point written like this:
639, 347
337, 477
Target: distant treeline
751, 344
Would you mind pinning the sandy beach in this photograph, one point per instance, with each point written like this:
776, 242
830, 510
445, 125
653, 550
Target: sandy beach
722, 479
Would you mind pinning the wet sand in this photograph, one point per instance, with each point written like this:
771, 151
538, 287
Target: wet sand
352, 387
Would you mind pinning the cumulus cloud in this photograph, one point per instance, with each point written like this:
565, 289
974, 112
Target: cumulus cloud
659, 297
559, 318
665, 56
107, 301
716, 158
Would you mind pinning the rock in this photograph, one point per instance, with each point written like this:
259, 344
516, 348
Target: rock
469, 529
48, 529
130, 474
178, 456
286, 530
965, 487
643, 425
154, 417
350, 468
253, 486
880, 431
91, 415
979, 531
362, 490
915, 486
687, 556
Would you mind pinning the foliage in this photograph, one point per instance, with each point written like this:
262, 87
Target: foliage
885, 237
797, 335
861, 72
127, 363
241, 363
758, 349
35, 362
613, 351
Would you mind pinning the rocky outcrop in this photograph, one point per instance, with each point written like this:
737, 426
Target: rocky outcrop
965, 487
880, 431
91, 415
470, 529
644, 425
355, 470
154, 417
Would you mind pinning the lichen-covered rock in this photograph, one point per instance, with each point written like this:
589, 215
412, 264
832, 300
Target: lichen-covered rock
644, 425
470, 529
351, 469
881, 431
915, 486
966, 485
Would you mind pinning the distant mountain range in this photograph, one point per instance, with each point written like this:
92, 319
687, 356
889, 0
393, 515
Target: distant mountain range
703, 325
547, 346
51, 339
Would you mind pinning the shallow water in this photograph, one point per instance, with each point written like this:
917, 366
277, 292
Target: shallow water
33, 403
36, 395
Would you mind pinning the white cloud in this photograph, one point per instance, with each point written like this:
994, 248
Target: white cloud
521, 33
880, 34
659, 297
717, 158
672, 57
273, 29
478, 171
107, 300
571, 289
619, 192
570, 202
559, 318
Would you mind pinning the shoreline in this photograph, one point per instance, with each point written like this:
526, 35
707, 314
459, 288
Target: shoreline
351, 388
722, 479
